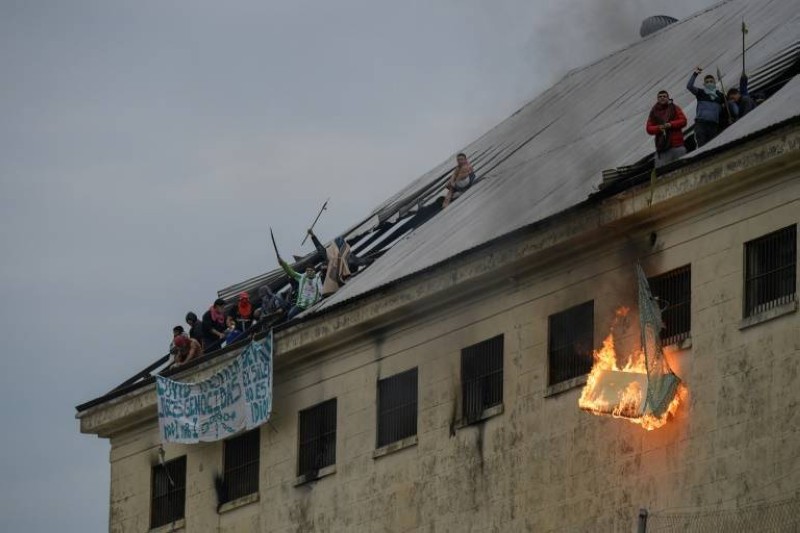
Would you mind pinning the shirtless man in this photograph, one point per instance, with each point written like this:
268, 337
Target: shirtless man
461, 180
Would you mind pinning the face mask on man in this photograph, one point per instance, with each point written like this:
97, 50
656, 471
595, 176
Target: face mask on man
710, 86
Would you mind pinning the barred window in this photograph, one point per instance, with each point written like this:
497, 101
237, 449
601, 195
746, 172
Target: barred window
168, 492
397, 407
570, 343
481, 377
317, 438
241, 457
770, 264
674, 292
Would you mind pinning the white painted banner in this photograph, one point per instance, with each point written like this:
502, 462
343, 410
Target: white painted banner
237, 397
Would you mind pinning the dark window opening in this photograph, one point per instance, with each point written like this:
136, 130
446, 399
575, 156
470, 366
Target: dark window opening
397, 407
673, 289
770, 264
241, 457
570, 343
168, 492
481, 377
317, 438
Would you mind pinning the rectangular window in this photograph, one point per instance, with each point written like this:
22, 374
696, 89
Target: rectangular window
317, 438
674, 292
481, 377
770, 264
570, 343
241, 457
168, 492
397, 407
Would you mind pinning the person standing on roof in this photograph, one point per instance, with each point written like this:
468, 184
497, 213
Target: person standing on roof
666, 122
195, 327
214, 326
462, 179
739, 100
242, 312
710, 102
309, 289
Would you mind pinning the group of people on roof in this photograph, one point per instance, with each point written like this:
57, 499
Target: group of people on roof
222, 325
715, 111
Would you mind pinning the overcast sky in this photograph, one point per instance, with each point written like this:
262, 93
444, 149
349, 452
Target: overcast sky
147, 146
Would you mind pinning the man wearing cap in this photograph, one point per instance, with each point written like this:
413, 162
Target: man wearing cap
214, 326
666, 122
709, 107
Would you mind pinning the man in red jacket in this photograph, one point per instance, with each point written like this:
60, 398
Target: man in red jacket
666, 120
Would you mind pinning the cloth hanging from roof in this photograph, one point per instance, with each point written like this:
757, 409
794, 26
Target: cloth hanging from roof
237, 397
338, 269
662, 383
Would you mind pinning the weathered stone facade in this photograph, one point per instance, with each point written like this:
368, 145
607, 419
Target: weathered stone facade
539, 463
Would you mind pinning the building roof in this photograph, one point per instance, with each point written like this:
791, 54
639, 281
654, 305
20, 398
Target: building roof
550, 155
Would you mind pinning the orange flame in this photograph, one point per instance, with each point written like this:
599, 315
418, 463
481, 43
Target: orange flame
628, 402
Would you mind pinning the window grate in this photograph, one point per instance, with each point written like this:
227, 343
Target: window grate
570, 343
397, 407
481, 377
770, 278
317, 438
674, 290
168, 492
241, 458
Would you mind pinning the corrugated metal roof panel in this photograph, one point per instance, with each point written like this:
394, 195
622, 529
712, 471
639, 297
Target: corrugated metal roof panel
557, 146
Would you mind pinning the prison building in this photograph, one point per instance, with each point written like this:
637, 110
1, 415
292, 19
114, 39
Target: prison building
438, 390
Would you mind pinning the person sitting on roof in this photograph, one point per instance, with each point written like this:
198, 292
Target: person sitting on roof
709, 107
232, 332
739, 100
309, 289
186, 349
214, 326
242, 312
462, 179
666, 121
272, 304
195, 327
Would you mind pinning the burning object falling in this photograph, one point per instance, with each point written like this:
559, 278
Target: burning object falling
644, 391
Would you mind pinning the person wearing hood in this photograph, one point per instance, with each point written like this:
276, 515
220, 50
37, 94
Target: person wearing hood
214, 326
242, 312
271, 303
710, 102
739, 100
309, 289
666, 122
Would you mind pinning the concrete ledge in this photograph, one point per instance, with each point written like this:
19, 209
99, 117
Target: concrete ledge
238, 502
395, 446
486, 414
564, 386
769, 314
177, 525
307, 478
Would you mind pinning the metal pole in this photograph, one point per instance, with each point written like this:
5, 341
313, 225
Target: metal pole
744, 32
642, 526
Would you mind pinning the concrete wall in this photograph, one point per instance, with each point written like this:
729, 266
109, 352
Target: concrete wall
541, 464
